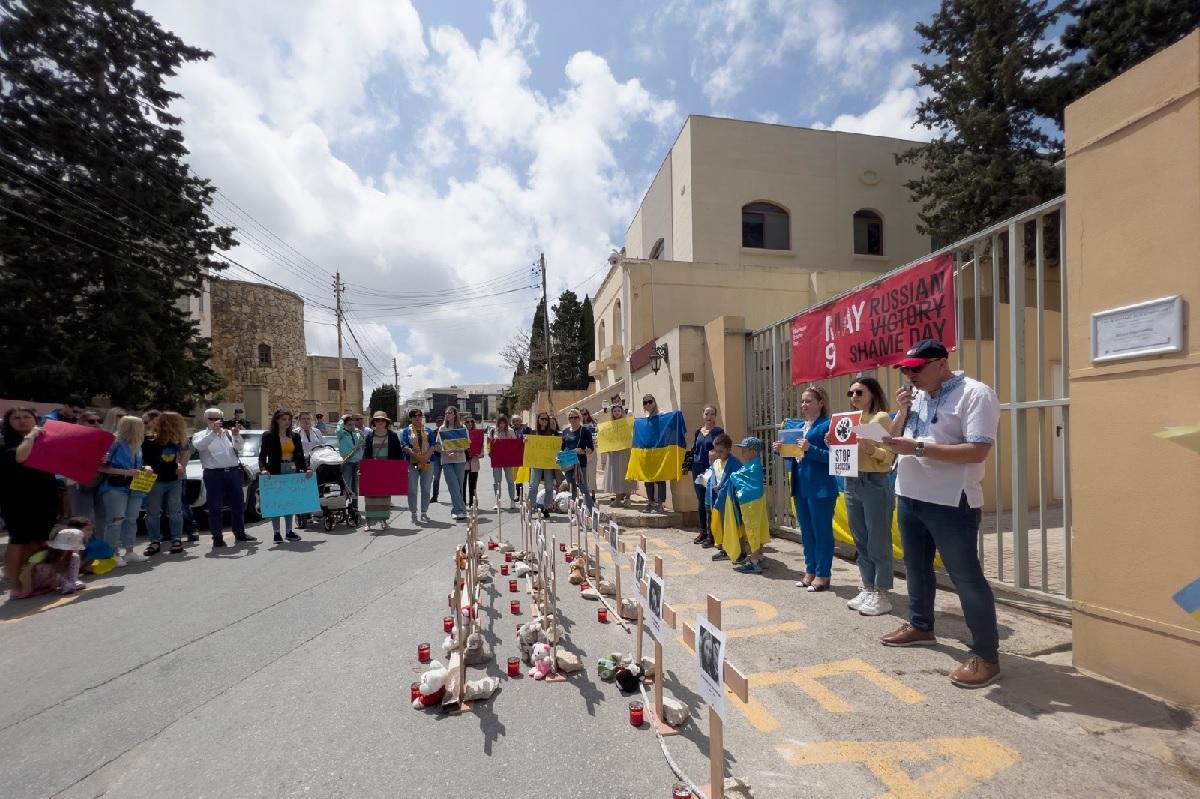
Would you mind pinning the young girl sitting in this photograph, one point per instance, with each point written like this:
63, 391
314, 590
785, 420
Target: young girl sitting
55, 568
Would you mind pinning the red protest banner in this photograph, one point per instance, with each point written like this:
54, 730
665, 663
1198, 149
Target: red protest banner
875, 325
507, 452
382, 478
840, 425
73, 450
475, 449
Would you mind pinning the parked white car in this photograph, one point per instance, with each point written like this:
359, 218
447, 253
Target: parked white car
193, 490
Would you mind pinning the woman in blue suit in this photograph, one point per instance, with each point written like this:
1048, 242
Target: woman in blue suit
814, 490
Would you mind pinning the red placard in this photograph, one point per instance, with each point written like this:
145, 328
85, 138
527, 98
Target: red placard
476, 436
382, 478
877, 324
73, 450
840, 425
507, 452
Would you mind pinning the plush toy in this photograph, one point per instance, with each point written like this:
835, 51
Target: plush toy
476, 652
606, 667
528, 635
542, 662
433, 686
450, 644
521, 569
628, 677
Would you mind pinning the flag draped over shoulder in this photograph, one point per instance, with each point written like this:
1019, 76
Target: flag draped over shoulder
749, 493
658, 446
719, 501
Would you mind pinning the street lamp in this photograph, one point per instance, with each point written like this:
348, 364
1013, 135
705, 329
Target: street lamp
658, 358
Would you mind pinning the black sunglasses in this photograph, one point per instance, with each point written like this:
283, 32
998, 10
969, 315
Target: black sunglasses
648, 402
855, 392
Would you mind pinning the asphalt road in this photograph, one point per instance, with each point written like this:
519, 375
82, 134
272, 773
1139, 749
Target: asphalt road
283, 670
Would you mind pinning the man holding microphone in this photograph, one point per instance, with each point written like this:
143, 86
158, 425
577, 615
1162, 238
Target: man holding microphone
942, 435
219, 451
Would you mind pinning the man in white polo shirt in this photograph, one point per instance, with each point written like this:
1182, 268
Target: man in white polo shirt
942, 435
219, 451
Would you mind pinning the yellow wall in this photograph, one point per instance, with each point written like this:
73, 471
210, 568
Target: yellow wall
1133, 234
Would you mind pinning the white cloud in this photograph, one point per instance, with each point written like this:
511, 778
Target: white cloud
738, 39
292, 89
895, 114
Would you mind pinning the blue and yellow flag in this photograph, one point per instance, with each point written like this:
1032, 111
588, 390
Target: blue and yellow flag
749, 492
1188, 598
721, 503
454, 439
659, 442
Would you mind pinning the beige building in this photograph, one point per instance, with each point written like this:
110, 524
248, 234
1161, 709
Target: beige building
322, 374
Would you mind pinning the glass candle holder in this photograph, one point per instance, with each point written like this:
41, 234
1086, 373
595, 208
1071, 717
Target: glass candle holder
636, 714
512, 586
515, 607
448, 623
514, 667
602, 615
423, 653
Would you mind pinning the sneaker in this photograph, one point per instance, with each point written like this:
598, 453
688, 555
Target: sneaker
708, 543
720, 555
193, 538
742, 558
415, 520
246, 539
218, 543
859, 598
907, 635
135, 557
425, 517
876, 604
700, 538
291, 536
975, 672
750, 567
278, 538
120, 561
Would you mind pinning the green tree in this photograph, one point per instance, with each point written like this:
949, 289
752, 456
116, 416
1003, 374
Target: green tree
103, 229
992, 155
384, 399
537, 340
1114, 35
566, 340
587, 339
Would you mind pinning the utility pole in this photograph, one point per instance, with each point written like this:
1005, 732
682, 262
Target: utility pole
546, 322
396, 386
338, 287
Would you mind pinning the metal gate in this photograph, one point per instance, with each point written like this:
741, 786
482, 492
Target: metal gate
1011, 299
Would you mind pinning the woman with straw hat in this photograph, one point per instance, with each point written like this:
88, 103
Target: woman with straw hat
381, 443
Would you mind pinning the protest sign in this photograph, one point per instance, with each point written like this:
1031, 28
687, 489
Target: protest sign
639, 565
843, 444
507, 452
875, 325
567, 459
143, 482
454, 439
789, 441
476, 438
710, 658
382, 478
287, 494
73, 450
615, 435
595, 518
614, 540
541, 452
654, 607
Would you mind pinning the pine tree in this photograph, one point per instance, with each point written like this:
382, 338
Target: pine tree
587, 339
566, 340
383, 399
1115, 35
103, 229
537, 340
992, 156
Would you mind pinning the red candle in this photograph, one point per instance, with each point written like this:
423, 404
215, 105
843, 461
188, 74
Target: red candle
414, 691
512, 586
636, 717
491, 544
680, 792
568, 557
514, 667
423, 653
562, 547
508, 557
504, 569
602, 615
584, 586
515, 605
448, 623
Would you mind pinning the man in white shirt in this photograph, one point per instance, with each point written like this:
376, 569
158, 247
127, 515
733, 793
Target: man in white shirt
219, 451
942, 435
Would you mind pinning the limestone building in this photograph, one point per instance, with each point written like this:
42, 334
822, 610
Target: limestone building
323, 378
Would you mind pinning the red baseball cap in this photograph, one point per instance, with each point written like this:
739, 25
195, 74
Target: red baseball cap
923, 352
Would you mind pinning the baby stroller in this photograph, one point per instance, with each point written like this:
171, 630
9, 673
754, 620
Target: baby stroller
338, 504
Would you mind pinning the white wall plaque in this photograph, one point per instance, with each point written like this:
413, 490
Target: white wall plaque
1148, 328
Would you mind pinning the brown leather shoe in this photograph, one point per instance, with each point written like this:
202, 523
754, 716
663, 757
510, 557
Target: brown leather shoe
975, 672
908, 635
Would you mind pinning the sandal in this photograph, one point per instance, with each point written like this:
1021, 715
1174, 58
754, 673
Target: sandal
176, 547
153, 549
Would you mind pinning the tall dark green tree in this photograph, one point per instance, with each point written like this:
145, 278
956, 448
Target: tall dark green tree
537, 340
587, 338
566, 341
992, 155
384, 399
103, 229
1114, 35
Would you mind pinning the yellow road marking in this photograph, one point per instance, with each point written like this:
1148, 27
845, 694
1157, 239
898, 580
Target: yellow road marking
968, 761
63, 600
808, 680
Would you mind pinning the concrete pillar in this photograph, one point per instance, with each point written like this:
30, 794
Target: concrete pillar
1133, 234
256, 404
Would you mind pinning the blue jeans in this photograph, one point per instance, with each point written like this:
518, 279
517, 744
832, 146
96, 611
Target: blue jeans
815, 516
172, 494
505, 474
927, 529
537, 476
221, 487
436, 466
454, 473
702, 513
121, 509
869, 503
421, 480
350, 476
577, 480
284, 468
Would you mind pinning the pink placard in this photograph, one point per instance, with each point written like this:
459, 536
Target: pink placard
382, 478
73, 450
476, 448
507, 452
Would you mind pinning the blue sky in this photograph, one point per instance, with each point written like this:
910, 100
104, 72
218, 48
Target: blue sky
430, 150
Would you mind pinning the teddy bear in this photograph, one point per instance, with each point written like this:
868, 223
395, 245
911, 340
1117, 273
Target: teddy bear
542, 662
528, 635
628, 677
433, 686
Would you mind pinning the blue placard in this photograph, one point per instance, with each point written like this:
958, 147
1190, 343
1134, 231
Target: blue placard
567, 459
286, 494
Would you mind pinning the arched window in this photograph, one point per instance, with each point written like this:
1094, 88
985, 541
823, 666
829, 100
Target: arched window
868, 233
600, 342
657, 250
264, 354
765, 227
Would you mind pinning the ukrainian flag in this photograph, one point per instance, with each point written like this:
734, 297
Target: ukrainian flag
1188, 598
722, 505
659, 442
454, 439
748, 520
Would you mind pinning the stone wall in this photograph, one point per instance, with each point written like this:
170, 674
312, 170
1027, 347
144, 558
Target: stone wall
246, 315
